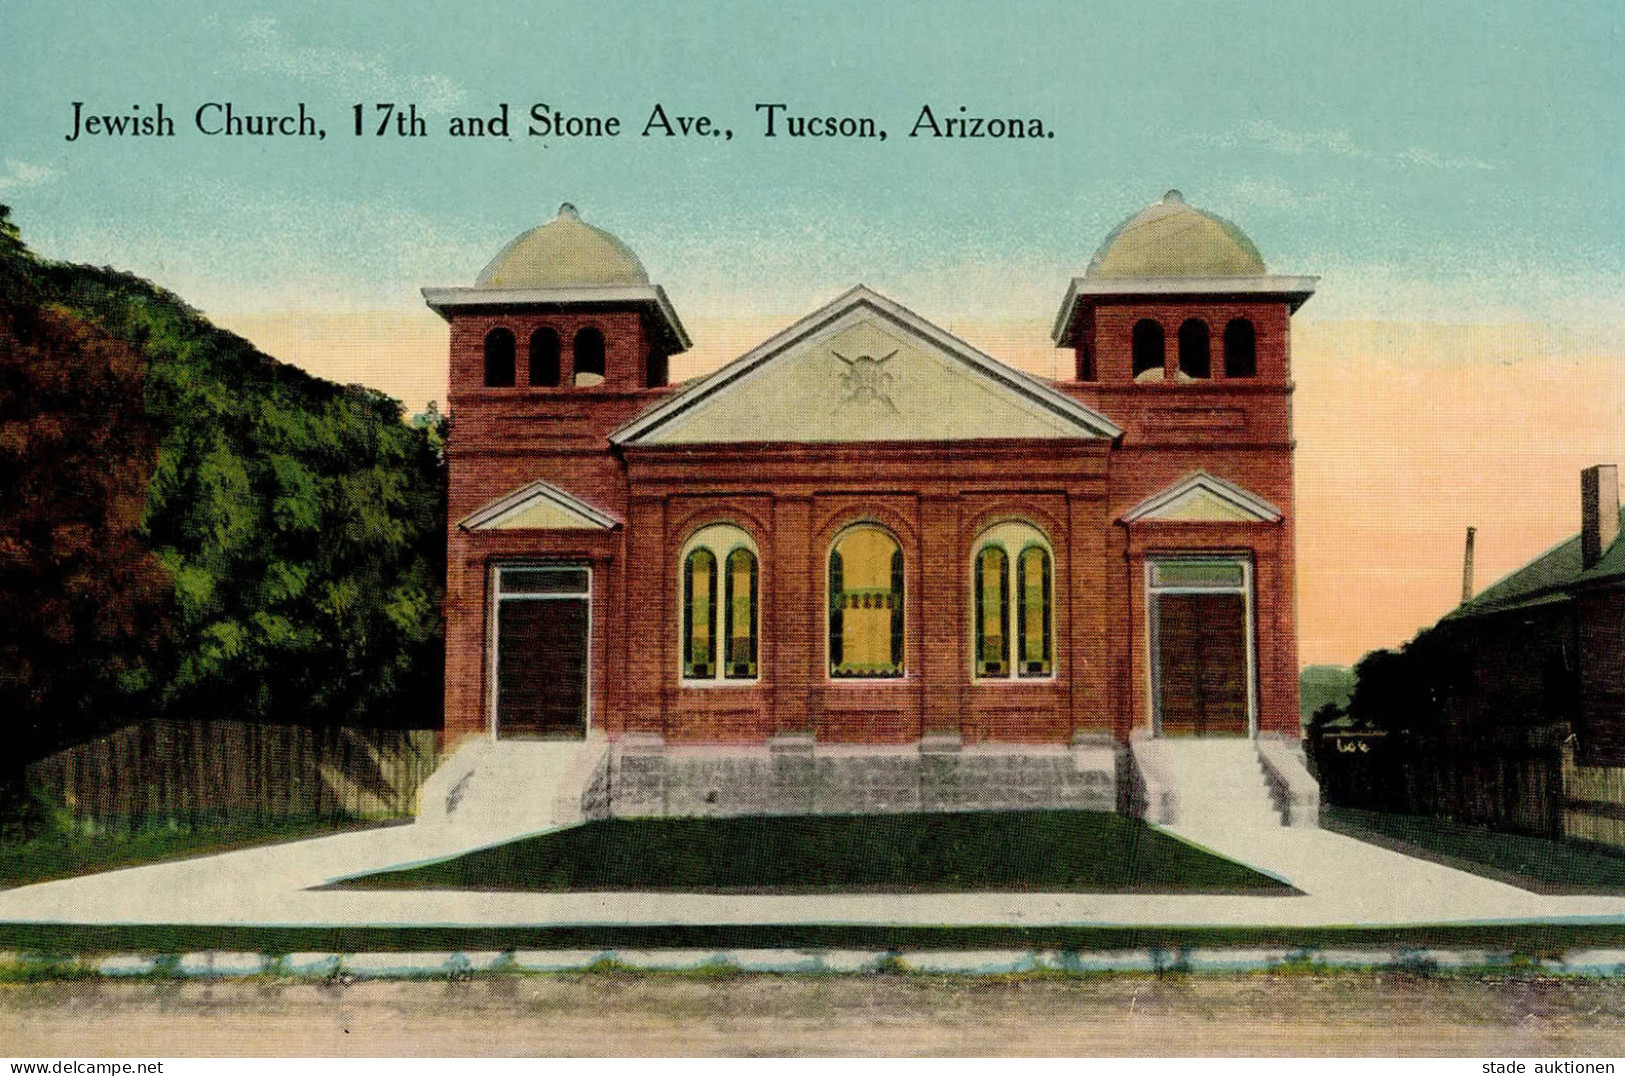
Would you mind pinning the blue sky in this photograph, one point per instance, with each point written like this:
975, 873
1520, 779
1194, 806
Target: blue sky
1441, 161
1452, 163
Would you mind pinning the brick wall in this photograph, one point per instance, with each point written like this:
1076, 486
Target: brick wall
936, 498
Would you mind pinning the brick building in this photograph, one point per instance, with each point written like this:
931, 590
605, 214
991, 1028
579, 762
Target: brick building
865, 531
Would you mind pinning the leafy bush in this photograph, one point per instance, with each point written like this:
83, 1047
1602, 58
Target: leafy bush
191, 528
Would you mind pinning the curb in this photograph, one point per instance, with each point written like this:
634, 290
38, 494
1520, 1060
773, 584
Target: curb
449, 965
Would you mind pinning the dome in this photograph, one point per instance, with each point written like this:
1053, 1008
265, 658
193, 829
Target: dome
1171, 239
566, 252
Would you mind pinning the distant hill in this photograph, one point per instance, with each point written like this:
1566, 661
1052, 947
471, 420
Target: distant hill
190, 528
1320, 684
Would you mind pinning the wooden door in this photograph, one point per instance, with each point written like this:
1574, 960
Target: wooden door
1201, 664
542, 668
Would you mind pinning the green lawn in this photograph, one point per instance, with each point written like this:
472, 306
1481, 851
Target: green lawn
1534, 863
1074, 851
59, 854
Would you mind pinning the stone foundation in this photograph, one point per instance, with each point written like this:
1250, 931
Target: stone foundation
643, 777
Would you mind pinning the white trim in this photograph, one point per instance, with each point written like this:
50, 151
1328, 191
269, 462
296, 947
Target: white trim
442, 300
1090, 423
1240, 499
493, 642
1250, 627
494, 513
1293, 290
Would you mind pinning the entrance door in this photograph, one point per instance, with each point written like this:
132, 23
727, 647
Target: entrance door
1199, 634
542, 629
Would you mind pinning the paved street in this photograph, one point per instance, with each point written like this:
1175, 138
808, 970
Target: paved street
633, 1015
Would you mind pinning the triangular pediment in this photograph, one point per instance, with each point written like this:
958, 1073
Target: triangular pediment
1203, 498
539, 506
860, 369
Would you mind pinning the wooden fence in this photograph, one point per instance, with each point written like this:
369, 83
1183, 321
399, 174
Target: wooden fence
195, 772
1541, 792
1515, 790
1593, 802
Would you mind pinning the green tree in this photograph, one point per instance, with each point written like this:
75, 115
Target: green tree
190, 528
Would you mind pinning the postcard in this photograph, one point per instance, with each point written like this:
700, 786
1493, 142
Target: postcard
728, 528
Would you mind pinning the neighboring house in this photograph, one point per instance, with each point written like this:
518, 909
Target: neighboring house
1544, 647
866, 531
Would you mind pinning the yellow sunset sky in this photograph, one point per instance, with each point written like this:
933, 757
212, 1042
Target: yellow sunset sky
1407, 433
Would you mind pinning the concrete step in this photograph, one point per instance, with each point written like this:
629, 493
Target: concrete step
1210, 783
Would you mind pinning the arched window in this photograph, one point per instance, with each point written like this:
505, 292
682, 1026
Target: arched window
866, 604
1147, 346
544, 357
992, 612
1008, 592
739, 623
720, 637
1240, 349
1195, 355
699, 615
589, 357
1033, 615
499, 359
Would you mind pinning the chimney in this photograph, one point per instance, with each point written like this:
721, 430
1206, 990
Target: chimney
1467, 568
1599, 511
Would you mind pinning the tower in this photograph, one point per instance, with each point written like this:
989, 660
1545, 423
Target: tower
1179, 333
561, 340
1182, 337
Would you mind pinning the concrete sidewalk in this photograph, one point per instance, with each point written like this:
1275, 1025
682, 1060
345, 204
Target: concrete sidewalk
1344, 882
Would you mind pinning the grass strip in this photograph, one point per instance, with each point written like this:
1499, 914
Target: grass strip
1538, 864
1021, 851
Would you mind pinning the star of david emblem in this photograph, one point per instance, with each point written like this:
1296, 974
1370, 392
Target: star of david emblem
866, 380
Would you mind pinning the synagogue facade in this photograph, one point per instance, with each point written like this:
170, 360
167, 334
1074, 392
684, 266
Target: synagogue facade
866, 531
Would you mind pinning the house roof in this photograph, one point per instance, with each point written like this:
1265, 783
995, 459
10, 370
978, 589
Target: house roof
1547, 579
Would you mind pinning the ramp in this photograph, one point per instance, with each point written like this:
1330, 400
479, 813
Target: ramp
492, 789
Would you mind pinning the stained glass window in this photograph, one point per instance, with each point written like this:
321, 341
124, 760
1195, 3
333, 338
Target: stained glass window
866, 605
1016, 593
992, 612
721, 605
699, 615
1033, 612
739, 634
